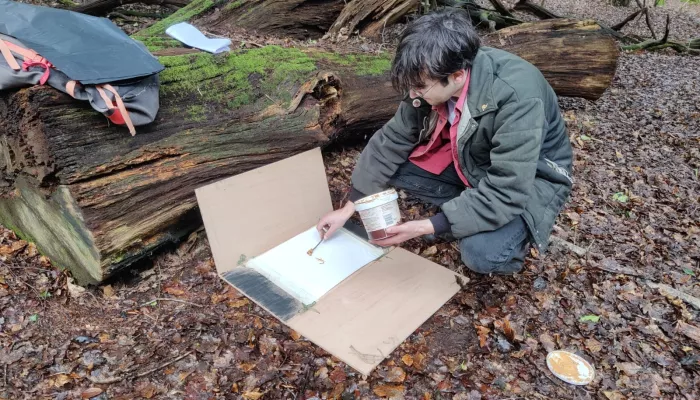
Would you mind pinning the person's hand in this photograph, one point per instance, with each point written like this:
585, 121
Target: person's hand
405, 231
334, 220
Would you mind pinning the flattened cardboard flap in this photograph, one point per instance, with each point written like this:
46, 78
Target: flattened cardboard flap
250, 213
362, 319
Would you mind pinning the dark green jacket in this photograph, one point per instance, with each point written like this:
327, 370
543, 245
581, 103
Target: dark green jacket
512, 147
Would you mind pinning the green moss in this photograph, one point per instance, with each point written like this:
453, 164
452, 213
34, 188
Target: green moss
234, 5
226, 78
184, 14
158, 43
362, 64
196, 113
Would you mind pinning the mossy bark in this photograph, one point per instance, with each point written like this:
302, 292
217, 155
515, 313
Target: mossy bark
95, 199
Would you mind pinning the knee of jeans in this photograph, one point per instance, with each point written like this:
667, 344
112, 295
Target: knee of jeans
475, 257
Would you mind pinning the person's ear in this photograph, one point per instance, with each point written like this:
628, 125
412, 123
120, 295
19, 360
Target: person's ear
459, 77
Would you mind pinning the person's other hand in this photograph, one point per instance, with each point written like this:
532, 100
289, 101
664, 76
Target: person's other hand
406, 231
334, 220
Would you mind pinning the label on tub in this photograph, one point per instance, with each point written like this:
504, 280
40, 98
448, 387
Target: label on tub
380, 217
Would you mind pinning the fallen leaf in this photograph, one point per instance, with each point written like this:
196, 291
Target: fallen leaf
430, 251
620, 197
444, 385
91, 392
108, 291
5, 250
419, 361
407, 359
32, 250
174, 291
322, 373
204, 267
60, 380
690, 331
247, 367
238, 303
253, 395
593, 345
389, 390
13, 248
44, 262
337, 391
590, 318
547, 342
629, 368
146, 389
74, 290
396, 375
337, 375
294, 334
613, 395
505, 327
483, 333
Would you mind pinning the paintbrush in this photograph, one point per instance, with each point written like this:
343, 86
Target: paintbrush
310, 252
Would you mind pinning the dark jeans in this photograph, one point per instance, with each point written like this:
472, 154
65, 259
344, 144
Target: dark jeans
501, 251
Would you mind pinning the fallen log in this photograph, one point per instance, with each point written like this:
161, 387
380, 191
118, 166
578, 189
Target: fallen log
370, 17
95, 199
102, 7
575, 57
299, 19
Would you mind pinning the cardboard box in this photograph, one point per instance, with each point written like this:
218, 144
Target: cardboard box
254, 217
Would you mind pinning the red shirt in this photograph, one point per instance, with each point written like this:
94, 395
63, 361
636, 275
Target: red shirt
439, 153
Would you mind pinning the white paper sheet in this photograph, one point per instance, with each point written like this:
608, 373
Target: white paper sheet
191, 36
307, 278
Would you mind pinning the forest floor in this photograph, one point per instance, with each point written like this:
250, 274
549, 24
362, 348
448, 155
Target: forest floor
172, 329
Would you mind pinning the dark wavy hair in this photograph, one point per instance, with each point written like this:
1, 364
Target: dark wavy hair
434, 46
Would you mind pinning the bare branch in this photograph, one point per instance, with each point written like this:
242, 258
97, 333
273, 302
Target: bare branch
651, 27
622, 24
537, 10
501, 8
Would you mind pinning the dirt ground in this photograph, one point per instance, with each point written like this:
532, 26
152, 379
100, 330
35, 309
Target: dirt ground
171, 329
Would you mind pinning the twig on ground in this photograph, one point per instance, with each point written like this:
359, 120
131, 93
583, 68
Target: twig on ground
14, 277
579, 251
168, 299
620, 270
501, 8
652, 44
141, 375
116, 379
665, 289
121, 16
107, 381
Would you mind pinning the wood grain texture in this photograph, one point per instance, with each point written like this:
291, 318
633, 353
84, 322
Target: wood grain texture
576, 57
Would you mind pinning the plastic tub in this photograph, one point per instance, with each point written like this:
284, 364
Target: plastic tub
378, 212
